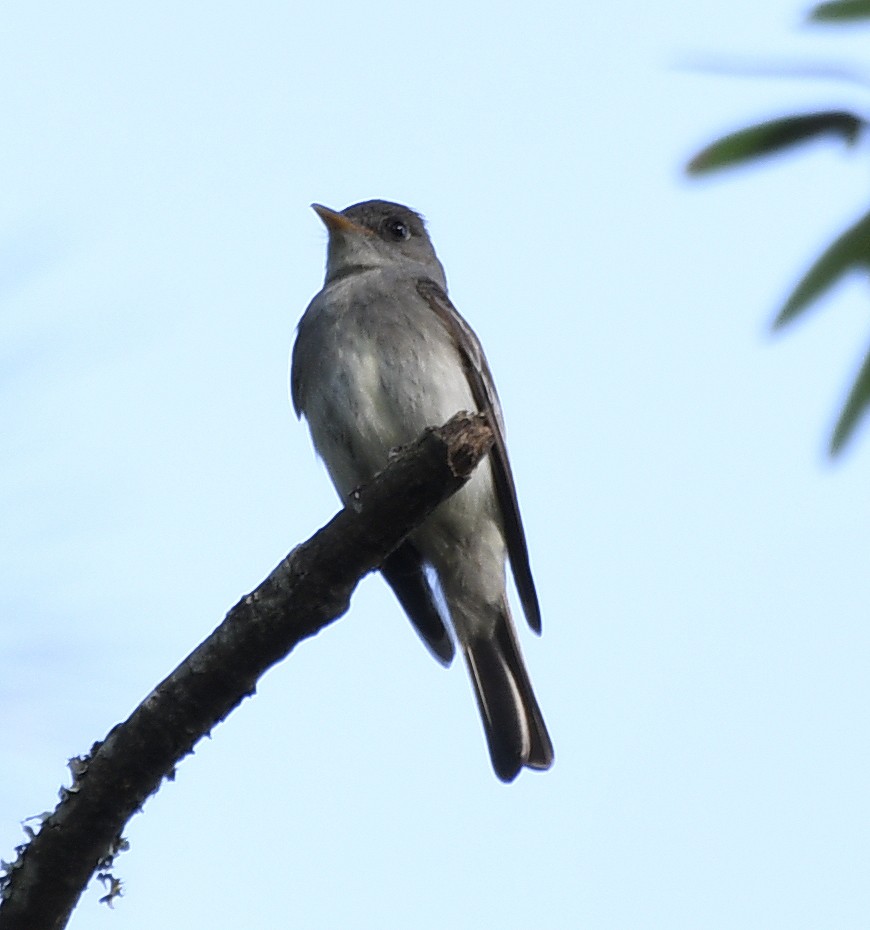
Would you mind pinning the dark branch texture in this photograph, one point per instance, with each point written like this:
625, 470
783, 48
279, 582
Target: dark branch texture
309, 589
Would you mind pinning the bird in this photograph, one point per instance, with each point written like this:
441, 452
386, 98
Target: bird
381, 354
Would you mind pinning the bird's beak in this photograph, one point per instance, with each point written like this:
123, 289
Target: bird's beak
337, 222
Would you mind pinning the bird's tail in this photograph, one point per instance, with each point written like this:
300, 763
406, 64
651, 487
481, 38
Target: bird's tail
513, 723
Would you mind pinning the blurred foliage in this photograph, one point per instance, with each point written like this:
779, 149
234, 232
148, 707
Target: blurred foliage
773, 136
840, 11
851, 250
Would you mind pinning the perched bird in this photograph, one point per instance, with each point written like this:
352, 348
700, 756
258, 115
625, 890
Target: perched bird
381, 353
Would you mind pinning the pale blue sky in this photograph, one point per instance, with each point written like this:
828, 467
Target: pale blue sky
701, 566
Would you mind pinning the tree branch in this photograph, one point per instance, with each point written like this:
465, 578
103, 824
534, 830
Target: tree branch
309, 589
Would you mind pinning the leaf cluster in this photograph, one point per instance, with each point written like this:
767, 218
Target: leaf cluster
851, 250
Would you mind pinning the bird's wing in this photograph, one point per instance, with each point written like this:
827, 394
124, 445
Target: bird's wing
483, 390
404, 572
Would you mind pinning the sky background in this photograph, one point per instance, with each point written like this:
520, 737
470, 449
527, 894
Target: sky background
701, 564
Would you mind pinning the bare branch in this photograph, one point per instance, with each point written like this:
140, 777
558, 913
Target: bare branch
309, 589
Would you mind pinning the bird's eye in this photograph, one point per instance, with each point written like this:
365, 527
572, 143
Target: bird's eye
396, 229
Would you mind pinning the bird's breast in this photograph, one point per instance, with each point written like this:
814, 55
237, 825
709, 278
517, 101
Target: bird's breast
387, 370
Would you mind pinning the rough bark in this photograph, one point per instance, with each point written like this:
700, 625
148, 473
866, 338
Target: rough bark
309, 589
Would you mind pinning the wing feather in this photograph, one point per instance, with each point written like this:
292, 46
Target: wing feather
483, 390
405, 573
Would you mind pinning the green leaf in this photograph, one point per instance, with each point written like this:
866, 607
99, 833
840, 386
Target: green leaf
856, 407
773, 136
840, 11
848, 252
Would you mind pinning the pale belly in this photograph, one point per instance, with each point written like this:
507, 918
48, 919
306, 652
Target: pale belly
371, 406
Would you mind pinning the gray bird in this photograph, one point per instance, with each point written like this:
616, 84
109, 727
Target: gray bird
381, 353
